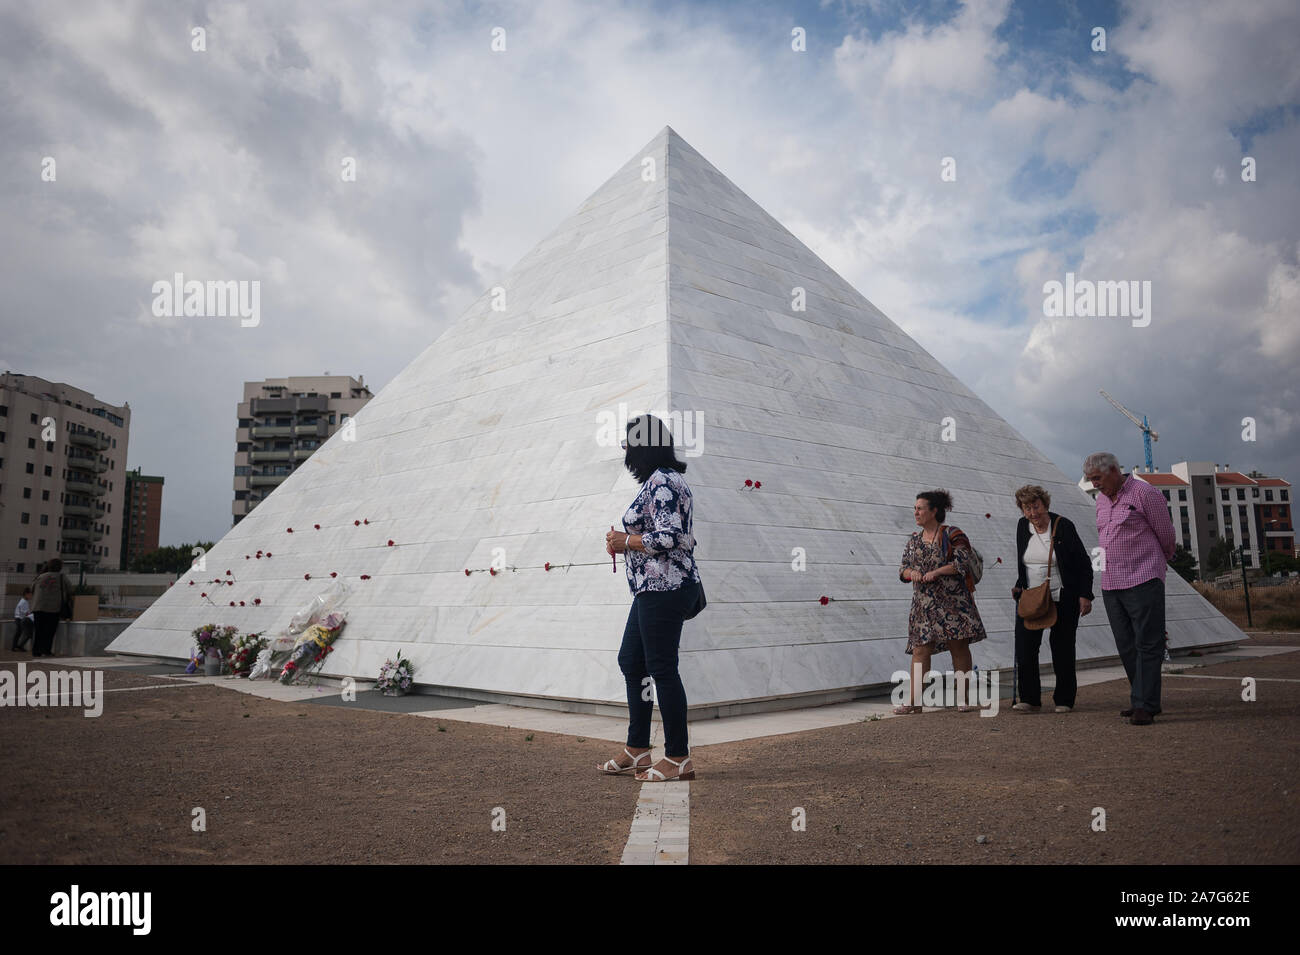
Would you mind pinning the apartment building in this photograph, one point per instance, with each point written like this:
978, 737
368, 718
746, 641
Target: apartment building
61, 490
282, 421
141, 517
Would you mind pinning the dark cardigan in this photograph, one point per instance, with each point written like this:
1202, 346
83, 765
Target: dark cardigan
1068, 554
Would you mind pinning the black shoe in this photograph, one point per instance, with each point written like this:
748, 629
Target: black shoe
1127, 713
1141, 718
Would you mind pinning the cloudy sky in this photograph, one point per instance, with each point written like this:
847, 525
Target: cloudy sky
1117, 165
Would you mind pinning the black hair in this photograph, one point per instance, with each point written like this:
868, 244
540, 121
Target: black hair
26, 591
53, 564
939, 501
649, 448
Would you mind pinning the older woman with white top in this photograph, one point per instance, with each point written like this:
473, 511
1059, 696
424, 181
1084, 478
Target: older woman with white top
1042, 535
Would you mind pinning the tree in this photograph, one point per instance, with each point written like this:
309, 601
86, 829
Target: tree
1219, 559
1184, 563
168, 560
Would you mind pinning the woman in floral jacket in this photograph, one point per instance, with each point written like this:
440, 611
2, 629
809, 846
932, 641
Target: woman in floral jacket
665, 585
943, 615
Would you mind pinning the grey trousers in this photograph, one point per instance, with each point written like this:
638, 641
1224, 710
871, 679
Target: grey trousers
1137, 619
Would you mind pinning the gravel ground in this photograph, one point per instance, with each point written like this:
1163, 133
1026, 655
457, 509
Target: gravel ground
1213, 781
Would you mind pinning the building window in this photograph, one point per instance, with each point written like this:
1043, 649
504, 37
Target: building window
1241, 493
34, 419
45, 495
1268, 494
31, 468
336, 394
45, 520
25, 519
22, 543
1182, 494
27, 492
331, 419
49, 471
1282, 494
1165, 493
40, 544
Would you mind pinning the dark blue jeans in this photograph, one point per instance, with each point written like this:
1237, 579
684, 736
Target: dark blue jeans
650, 640
1137, 619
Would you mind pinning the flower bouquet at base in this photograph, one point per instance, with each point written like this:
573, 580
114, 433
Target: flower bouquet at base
214, 642
244, 652
396, 677
312, 646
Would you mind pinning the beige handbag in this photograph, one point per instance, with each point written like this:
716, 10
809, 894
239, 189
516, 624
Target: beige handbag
1036, 607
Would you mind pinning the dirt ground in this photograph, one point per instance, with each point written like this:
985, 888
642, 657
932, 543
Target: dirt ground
1213, 781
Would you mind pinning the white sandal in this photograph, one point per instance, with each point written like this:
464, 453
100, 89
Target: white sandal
612, 768
654, 776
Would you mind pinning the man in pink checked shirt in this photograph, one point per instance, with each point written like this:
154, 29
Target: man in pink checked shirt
1137, 540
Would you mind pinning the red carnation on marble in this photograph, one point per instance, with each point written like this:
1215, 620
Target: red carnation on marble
492, 571
748, 483
466, 571
291, 530
306, 576
317, 526
546, 566
241, 603
202, 595
365, 576
356, 523
390, 543
366, 521
333, 573
825, 601
758, 484
257, 601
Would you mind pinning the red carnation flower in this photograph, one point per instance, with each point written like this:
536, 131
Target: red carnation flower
825, 601
390, 543
998, 561
248, 557
547, 565
241, 603
306, 576
758, 484
366, 521
748, 483
492, 571
257, 601
333, 573
317, 526
232, 603
356, 523
268, 553
365, 576
259, 556
227, 573
191, 583
466, 571
291, 530
988, 515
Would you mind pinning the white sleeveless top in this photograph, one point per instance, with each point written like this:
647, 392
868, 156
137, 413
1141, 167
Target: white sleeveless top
1035, 558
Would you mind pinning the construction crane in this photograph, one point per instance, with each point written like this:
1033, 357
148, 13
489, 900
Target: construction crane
1148, 433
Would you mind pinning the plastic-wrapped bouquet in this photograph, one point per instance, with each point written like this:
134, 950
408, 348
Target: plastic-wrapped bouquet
312, 646
244, 652
396, 677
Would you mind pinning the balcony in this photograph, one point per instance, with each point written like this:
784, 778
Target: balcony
79, 510
77, 533
318, 429
271, 430
258, 407
266, 480
89, 439
79, 486
257, 457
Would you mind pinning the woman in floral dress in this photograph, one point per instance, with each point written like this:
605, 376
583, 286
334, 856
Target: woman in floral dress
943, 615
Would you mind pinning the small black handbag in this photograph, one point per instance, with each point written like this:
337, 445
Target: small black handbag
700, 604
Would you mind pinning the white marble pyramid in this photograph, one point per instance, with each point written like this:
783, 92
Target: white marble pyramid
670, 290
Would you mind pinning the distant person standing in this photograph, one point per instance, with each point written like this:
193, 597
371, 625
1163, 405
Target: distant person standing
1137, 541
52, 593
24, 622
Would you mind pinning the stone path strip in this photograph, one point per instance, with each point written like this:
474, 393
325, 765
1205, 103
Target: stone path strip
661, 826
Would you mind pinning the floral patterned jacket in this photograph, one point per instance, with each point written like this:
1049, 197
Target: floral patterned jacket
661, 514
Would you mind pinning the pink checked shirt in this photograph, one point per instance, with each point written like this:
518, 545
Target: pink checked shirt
1137, 536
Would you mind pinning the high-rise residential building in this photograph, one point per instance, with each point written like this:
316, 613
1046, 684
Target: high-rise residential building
1210, 502
142, 513
61, 490
282, 421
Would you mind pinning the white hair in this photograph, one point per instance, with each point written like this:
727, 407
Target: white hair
1100, 461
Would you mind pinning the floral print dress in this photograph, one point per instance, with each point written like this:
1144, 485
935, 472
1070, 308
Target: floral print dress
661, 514
942, 609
